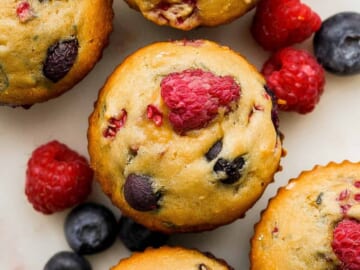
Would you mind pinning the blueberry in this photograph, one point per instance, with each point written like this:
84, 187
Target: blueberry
274, 109
214, 150
137, 237
139, 194
60, 59
229, 170
337, 43
90, 228
67, 260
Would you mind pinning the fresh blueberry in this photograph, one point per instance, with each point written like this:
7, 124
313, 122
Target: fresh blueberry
137, 238
139, 193
67, 260
337, 43
90, 228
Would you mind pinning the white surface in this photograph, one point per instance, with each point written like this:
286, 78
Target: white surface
28, 238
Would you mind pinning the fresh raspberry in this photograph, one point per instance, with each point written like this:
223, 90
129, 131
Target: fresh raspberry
296, 78
194, 97
281, 23
346, 244
57, 178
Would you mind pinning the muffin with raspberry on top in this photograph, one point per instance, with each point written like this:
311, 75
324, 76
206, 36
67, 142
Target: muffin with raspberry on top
47, 47
312, 223
184, 136
189, 14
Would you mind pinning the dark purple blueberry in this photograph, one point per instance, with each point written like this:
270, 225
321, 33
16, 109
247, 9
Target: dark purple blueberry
139, 194
60, 59
4, 82
337, 43
274, 109
67, 260
230, 171
90, 228
214, 150
137, 237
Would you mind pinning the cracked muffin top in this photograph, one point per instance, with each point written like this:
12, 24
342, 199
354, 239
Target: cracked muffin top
46, 47
184, 136
189, 14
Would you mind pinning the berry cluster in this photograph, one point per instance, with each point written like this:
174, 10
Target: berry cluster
294, 75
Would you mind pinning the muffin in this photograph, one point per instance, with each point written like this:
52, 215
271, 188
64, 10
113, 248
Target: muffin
189, 14
184, 136
312, 223
46, 47
165, 258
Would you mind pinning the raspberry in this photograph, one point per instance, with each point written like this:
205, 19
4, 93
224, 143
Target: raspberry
346, 244
24, 11
194, 97
296, 78
281, 23
57, 178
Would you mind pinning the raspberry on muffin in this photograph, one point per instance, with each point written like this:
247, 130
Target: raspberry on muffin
189, 14
312, 222
195, 111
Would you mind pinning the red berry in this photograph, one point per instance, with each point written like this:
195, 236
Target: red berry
57, 178
281, 23
154, 114
24, 11
346, 244
296, 78
115, 124
194, 97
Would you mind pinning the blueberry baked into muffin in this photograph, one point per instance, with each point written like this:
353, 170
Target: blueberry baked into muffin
46, 46
165, 258
312, 223
189, 14
184, 136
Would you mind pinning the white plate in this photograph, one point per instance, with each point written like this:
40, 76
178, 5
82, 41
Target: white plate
28, 238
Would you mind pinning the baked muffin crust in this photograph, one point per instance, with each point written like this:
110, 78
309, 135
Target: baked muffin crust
163, 179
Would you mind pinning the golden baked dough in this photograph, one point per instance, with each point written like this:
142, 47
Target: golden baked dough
165, 258
189, 14
296, 229
46, 47
171, 169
